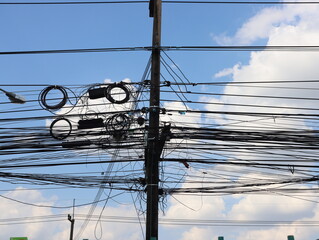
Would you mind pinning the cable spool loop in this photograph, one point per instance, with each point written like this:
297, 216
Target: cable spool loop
120, 86
63, 134
118, 123
44, 93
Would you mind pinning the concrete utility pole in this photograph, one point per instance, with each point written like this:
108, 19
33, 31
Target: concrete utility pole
72, 220
152, 151
72, 226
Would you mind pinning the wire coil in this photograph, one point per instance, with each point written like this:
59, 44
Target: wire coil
120, 86
44, 101
63, 134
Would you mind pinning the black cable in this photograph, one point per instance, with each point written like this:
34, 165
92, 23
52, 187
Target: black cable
88, 50
50, 206
285, 48
241, 2
164, 1
277, 81
293, 48
244, 105
73, 2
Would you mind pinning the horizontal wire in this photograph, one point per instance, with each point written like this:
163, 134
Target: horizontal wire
177, 221
73, 2
164, 1
306, 48
87, 50
243, 2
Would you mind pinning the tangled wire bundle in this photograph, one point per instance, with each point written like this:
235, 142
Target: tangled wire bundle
118, 123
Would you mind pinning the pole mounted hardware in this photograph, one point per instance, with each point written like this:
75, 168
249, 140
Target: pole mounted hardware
151, 8
90, 123
72, 220
116, 93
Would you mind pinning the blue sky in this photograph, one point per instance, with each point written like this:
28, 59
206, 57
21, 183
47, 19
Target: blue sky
55, 27
96, 26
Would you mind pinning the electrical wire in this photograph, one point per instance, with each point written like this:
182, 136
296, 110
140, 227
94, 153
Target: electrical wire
165, 2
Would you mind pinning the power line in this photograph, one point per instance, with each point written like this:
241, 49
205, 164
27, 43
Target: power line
88, 50
224, 83
244, 2
72, 3
284, 48
52, 206
165, 1
165, 221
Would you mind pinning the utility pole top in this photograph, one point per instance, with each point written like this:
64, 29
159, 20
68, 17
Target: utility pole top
151, 8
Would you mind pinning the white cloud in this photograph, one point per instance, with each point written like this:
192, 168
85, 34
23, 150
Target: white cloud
269, 234
108, 80
270, 207
275, 66
192, 206
226, 71
287, 25
197, 233
180, 113
110, 230
195, 207
266, 21
10, 209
